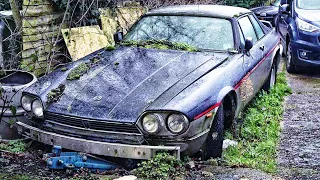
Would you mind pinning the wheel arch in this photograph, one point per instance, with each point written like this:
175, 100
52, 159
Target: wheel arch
228, 97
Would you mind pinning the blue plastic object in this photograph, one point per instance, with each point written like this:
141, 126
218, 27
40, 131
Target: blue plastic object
75, 160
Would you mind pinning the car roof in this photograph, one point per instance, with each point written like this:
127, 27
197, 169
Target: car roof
201, 10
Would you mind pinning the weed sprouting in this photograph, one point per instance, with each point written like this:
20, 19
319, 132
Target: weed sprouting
14, 146
55, 94
260, 131
78, 71
161, 166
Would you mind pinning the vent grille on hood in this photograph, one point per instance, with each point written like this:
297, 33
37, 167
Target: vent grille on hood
91, 124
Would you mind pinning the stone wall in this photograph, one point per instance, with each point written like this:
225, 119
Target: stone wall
41, 29
82, 41
41, 25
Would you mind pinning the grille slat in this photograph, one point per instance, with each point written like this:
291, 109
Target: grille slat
91, 124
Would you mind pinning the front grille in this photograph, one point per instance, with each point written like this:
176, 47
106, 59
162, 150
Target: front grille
91, 124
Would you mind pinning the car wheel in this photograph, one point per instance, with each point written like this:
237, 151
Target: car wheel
291, 68
212, 147
271, 81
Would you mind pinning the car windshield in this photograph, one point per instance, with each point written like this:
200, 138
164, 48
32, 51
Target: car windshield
203, 33
308, 4
276, 3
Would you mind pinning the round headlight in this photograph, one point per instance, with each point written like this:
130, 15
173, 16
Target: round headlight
37, 108
26, 102
177, 123
151, 123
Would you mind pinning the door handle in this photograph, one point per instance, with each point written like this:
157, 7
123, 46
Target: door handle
261, 48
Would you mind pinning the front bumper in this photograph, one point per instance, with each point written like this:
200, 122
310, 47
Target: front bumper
95, 147
300, 45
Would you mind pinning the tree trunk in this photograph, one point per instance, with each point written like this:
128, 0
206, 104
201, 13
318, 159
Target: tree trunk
16, 14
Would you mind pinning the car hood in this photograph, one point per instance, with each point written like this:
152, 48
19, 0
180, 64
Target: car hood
311, 16
126, 81
270, 10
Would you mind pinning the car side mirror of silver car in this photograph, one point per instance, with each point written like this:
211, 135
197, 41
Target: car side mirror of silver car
118, 37
284, 9
248, 44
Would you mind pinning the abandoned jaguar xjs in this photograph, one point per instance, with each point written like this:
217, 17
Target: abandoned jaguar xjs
178, 78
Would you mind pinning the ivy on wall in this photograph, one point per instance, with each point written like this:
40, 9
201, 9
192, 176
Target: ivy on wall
244, 3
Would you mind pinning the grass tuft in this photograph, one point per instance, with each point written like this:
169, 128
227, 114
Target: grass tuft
161, 166
260, 131
14, 146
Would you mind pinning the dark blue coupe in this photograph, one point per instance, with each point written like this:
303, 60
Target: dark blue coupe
179, 77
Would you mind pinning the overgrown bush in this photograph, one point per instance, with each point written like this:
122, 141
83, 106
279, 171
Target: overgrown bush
260, 131
162, 166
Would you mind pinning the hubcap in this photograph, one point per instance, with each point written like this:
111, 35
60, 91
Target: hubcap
289, 55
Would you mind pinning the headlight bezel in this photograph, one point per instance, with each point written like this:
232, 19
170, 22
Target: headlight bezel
305, 26
31, 98
158, 119
184, 120
41, 106
163, 130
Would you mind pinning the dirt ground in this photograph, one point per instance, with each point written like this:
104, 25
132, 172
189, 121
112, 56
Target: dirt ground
299, 149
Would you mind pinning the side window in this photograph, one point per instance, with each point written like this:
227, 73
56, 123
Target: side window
257, 27
247, 29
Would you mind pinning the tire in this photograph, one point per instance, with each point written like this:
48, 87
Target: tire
291, 68
272, 78
212, 147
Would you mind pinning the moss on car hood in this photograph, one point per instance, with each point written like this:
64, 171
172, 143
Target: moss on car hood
160, 44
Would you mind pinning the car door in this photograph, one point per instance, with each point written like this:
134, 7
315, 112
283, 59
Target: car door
255, 73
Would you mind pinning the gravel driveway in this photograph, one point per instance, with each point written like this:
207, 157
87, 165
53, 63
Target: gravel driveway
299, 149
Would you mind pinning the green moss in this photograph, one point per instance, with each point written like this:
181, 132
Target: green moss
64, 69
55, 94
78, 71
110, 48
94, 60
160, 44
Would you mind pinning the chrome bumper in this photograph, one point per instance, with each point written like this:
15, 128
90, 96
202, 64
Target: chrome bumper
95, 147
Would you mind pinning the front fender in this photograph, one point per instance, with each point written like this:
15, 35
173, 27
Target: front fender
292, 30
223, 92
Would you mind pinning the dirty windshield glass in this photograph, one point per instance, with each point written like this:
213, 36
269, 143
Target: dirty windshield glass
309, 4
200, 32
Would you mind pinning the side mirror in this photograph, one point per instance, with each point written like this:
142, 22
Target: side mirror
118, 37
266, 23
248, 44
284, 9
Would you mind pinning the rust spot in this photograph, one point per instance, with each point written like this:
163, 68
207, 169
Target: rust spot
209, 115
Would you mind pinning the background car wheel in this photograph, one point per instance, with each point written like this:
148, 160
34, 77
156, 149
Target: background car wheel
291, 68
272, 78
213, 144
